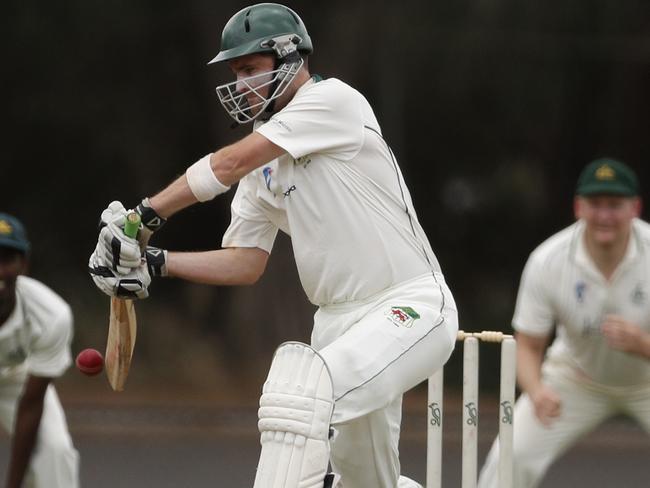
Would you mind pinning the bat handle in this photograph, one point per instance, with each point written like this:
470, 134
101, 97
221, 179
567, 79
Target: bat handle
132, 224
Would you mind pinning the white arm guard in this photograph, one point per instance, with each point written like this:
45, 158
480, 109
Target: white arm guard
202, 181
294, 420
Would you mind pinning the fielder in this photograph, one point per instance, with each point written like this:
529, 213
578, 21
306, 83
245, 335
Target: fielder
317, 168
592, 281
35, 336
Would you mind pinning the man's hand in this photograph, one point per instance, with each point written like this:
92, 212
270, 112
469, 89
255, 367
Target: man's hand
134, 284
151, 221
547, 403
156, 260
626, 336
114, 248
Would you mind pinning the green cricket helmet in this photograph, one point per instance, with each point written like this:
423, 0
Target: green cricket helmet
265, 28
250, 30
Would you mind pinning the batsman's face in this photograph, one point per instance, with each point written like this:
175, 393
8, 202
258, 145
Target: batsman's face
12, 264
254, 73
608, 217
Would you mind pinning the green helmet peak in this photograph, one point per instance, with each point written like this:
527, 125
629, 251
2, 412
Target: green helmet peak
250, 30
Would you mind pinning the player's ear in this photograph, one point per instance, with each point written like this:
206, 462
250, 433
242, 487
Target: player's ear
637, 206
577, 207
24, 264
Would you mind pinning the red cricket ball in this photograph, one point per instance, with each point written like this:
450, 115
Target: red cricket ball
90, 362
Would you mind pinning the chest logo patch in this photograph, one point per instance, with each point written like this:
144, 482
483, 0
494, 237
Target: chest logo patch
268, 174
638, 295
303, 161
402, 316
581, 288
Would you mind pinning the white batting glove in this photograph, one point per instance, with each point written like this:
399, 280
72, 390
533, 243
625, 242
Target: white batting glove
132, 285
156, 260
150, 219
116, 249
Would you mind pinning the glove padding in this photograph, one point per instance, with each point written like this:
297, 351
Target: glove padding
156, 261
132, 285
114, 248
151, 221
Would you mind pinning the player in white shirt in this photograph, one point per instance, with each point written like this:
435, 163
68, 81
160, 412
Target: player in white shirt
317, 168
591, 282
35, 336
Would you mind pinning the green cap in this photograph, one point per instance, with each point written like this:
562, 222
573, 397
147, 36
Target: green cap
12, 233
607, 177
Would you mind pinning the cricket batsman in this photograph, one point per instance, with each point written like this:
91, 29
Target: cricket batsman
316, 167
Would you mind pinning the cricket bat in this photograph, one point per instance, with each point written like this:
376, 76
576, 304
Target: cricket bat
122, 327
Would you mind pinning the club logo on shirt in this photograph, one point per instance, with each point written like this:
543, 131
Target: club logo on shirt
581, 287
281, 123
289, 190
268, 174
402, 316
303, 161
638, 295
591, 328
16, 356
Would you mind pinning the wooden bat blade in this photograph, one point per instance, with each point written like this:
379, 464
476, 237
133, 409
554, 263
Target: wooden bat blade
122, 329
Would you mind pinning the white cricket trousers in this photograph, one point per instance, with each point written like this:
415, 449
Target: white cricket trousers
375, 352
585, 405
55, 461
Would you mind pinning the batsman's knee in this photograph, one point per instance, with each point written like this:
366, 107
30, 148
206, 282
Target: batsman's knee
294, 420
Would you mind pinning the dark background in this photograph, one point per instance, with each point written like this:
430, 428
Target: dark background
492, 108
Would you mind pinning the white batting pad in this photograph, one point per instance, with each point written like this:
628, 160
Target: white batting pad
294, 420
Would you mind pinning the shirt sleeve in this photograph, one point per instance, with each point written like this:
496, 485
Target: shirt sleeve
326, 118
249, 226
534, 311
50, 354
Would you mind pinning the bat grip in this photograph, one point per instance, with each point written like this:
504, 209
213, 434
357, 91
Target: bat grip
132, 224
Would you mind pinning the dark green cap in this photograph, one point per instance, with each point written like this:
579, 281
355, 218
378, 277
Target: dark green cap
12, 233
607, 177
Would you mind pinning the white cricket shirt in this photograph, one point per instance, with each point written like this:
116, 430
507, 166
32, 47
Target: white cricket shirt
339, 194
561, 286
37, 335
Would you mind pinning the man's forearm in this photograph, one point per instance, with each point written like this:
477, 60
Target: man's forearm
233, 266
28, 420
530, 354
644, 349
529, 374
174, 198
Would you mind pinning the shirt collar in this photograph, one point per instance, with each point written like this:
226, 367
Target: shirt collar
583, 258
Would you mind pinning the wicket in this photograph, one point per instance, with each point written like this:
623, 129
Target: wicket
470, 411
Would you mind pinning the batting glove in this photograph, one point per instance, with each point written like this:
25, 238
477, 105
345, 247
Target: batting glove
120, 252
156, 261
151, 221
132, 285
